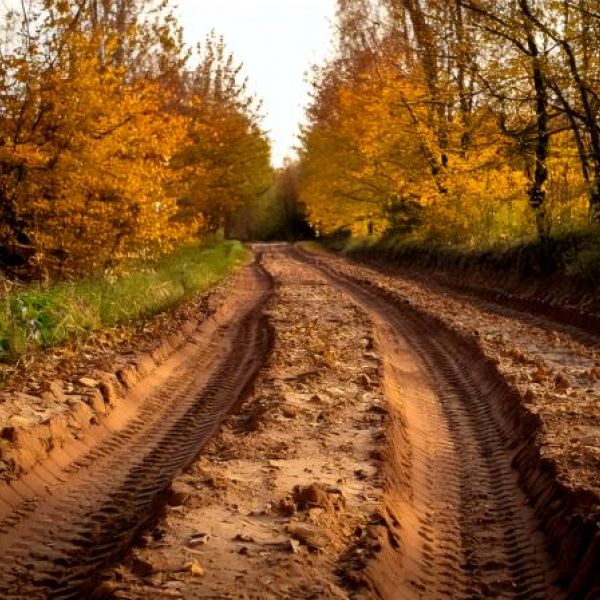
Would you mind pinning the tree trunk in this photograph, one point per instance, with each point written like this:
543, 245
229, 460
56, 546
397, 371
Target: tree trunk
537, 188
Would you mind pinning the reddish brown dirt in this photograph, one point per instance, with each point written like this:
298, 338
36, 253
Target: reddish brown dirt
82, 507
555, 301
517, 416
400, 442
291, 483
464, 524
557, 375
453, 518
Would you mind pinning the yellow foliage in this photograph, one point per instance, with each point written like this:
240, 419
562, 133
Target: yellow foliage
372, 163
95, 116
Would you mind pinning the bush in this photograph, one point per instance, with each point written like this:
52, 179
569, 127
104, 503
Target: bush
573, 255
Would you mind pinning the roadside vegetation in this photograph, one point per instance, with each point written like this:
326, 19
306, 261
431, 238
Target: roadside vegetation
36, 316
572, 257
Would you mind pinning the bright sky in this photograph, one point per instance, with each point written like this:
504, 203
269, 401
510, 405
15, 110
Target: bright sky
278, 41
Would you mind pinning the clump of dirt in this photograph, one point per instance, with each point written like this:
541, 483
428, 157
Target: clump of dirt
317, 495
312, 496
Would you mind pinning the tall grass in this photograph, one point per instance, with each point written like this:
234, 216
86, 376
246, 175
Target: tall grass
38, 317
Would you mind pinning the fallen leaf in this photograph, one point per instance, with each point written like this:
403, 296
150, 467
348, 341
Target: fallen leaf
195, 568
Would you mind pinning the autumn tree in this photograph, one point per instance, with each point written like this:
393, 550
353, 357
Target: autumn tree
110, 145
226, 163
442, 119
85, 148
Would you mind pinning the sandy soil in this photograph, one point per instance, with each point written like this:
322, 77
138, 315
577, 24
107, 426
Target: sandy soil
79, 508
371, 460
398, 441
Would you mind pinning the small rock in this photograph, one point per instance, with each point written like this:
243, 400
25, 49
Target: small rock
55, 388
198, 539
316, 495
540, 375
294, 546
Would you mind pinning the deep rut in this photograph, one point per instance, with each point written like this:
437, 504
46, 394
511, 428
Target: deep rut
466, 527
56, 546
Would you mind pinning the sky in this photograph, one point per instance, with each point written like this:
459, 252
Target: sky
277, 41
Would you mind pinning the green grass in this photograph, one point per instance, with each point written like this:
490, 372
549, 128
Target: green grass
40, 317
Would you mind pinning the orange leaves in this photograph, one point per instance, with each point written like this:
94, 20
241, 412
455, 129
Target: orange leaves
89, 145
225, 163
109, 147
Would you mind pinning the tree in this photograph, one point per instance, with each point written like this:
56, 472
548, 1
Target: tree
110, 147
227, 162
441, 119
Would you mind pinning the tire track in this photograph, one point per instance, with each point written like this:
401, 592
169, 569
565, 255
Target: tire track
56, 546
466, 526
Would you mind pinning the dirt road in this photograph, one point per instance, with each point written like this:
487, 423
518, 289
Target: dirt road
398, 442
82, 508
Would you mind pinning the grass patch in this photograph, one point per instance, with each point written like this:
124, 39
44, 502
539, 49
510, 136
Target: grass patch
38, 318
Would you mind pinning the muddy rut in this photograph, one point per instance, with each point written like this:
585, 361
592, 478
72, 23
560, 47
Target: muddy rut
54, 545
466, 526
